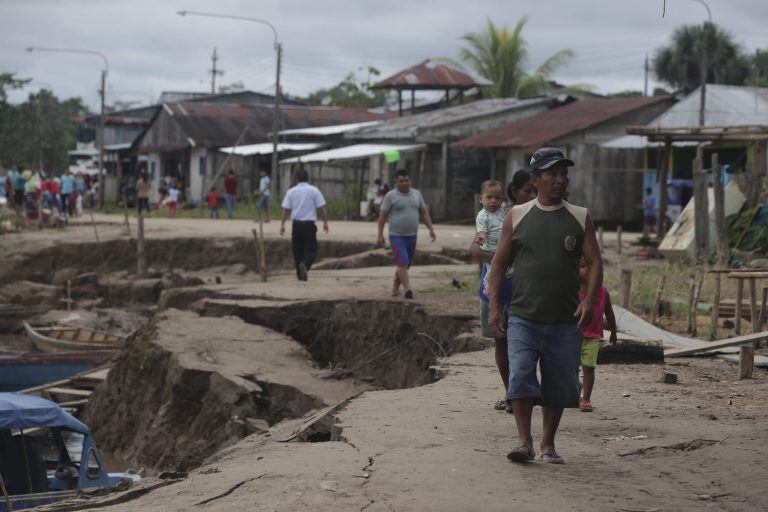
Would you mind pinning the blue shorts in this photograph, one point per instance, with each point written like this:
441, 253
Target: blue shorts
264, 203
404, 248
506, 292
557, 348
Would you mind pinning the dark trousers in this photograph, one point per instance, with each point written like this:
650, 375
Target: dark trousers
143, 204
304, 242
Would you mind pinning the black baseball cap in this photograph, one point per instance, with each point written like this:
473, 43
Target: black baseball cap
544, 158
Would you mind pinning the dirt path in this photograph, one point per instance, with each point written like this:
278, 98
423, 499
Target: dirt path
441, 447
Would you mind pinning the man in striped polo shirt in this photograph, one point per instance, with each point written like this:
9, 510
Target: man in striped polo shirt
543, 241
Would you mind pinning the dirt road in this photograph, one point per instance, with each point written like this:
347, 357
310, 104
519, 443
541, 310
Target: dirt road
442, 447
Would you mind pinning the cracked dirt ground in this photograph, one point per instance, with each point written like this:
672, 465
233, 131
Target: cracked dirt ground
442, 447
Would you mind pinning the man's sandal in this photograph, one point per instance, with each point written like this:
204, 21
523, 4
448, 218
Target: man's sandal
585, 406
500, 404
522, 454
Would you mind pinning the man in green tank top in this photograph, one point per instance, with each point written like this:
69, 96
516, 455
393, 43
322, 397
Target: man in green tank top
543, 241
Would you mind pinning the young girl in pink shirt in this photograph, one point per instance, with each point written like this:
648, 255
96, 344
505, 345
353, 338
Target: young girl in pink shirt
593, 333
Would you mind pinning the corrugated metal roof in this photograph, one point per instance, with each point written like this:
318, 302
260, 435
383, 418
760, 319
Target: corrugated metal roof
219, 124
548, 126
265, 148
335, 129
726, 105
410, 126
638, 142
354, 152
429, 74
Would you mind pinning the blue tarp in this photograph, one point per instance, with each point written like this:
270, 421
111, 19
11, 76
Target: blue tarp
25, 411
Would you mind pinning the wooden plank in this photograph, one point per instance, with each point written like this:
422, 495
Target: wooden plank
730, 342
69, 391
756, 274
715, 306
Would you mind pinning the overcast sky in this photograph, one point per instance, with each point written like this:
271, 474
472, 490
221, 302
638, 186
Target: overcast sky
151, 49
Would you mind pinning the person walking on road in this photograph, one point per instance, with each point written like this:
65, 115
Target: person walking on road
230, 192
142, 192
403, 206
263, 193
302, 203
545, 240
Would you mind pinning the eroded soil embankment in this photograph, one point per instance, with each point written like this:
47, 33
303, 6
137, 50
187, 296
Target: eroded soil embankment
171, 254
389, 343
188, 386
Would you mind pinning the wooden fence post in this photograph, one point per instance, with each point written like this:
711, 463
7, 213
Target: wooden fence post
691, 293
125, 213
723, 251
626, 287
716, 306
695, 308
657, 301
618, 239
141, 259
259, 239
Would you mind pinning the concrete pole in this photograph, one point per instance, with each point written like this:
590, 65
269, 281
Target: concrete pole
101, 139
276, 116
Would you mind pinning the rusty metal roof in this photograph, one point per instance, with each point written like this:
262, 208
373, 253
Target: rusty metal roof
429, 74
219, 124
537, 130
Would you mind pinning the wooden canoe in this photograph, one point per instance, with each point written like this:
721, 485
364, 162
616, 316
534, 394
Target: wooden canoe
63, 338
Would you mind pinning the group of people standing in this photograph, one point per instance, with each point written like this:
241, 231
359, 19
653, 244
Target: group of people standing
66, 194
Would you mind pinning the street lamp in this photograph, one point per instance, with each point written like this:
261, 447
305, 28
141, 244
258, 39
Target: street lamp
279, 50
101, 117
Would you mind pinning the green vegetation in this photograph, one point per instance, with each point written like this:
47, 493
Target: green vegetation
351, 92
242, 210
501, 57
39, 131
678, 63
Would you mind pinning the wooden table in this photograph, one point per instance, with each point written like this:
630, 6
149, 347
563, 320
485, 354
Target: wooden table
747, 352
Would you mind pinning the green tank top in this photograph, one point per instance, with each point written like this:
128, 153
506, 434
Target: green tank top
546, 247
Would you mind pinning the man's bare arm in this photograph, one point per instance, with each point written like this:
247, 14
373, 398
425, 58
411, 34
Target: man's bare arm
286, 214
424, 212
478, 254
383, 216
502, 259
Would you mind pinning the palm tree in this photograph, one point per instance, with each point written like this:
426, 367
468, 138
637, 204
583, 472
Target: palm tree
501, 56
678, 63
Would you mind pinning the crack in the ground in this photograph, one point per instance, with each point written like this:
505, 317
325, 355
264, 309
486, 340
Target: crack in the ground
370, 502
230, 490
368, 469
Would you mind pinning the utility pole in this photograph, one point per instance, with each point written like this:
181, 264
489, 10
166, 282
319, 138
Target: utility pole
214, 71
276, 118
101, 141
645, 69
703, 95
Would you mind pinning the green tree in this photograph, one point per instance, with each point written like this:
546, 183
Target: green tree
352, 92
9, 81
678, 64
501, 57
39, 131
759, 74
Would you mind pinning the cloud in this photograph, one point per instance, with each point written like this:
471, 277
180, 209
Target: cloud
151, 48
